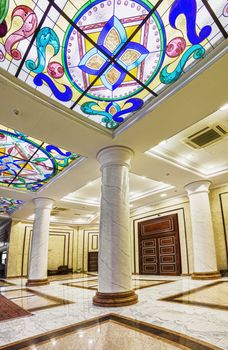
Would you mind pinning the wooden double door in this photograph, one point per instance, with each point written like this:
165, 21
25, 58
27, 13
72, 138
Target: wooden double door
159, 246
92, 261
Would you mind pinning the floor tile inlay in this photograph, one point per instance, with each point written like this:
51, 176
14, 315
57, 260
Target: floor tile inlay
32, 300
214, 295
138, 283
113, 332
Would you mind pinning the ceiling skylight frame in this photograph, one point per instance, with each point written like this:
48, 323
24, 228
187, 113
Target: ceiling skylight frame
17, 152
112, 59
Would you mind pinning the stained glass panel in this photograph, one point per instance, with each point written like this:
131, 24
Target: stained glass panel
106, 58
9, 206
29, 164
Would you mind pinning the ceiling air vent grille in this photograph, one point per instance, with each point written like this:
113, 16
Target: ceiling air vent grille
206, 137
57, 210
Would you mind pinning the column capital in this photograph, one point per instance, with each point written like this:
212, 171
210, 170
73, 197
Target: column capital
198, 187
43, 203
115, 155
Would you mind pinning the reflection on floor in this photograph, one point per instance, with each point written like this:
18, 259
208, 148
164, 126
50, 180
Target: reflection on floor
138, 283
62, 325
215, 296
4, 283
69, 276
9, 310
113, 332
32, 300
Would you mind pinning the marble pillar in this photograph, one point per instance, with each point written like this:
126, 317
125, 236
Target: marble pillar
38, 259
204, 253
114, 259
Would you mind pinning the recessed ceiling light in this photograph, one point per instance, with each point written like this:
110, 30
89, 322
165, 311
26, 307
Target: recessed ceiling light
131, 205
53, 341
163, 195
189, 156
162, 143
224, 107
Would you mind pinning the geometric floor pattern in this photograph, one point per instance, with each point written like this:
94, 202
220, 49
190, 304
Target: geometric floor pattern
92, 284
32, 300
9, 310
214, 295
113, 332
79, 324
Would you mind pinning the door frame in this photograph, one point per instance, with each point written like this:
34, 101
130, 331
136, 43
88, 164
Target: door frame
156, 236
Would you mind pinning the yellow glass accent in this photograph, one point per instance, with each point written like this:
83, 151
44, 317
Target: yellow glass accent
133, 72
94, 36
129, 57
112, 40
112, 76
112, 110
95, 62
130, 30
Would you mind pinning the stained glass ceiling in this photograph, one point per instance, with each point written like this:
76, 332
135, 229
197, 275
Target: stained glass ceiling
106, 58
9, 205
29, 164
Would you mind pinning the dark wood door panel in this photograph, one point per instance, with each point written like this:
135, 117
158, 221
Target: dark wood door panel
160, 225
168, 255
159, 247
92, 261
149, 256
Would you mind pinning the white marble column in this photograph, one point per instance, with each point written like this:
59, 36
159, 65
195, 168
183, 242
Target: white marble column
204, 253
38, 259
114, 260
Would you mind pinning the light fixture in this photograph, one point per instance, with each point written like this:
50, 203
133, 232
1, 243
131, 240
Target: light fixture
162, 143
224, 107
53, 341
163, 195
189, 156
131, 205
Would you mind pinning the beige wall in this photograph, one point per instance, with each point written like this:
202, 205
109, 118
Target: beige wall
70, 245
67, 246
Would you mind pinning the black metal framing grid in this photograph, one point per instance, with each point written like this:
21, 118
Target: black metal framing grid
112, 59
28, 161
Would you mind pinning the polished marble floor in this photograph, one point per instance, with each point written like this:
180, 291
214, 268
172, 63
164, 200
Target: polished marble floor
4, 283
214, 296
138, 283
199, 319
32, 300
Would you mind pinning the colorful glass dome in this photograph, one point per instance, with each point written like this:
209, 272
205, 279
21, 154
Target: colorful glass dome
105, 59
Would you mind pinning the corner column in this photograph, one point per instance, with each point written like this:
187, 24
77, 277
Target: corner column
38, 261
114, 259
204, 253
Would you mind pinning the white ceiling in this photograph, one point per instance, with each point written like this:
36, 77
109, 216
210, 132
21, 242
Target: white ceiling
198, 99
207, 161
140, 187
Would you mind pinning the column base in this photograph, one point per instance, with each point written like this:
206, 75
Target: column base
115, 299
41, 282
206, 275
